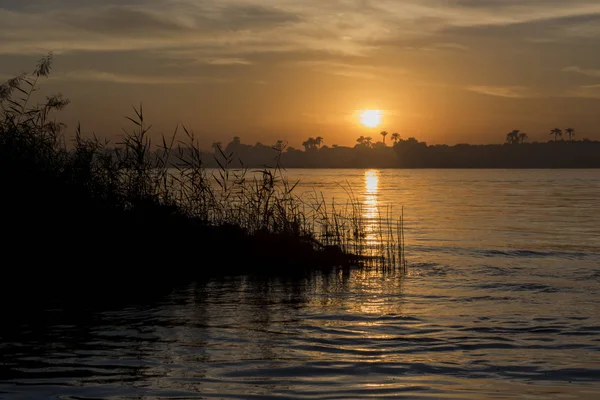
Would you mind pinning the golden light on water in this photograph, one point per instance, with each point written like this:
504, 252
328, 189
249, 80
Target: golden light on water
370, 206
371, 118
372, 182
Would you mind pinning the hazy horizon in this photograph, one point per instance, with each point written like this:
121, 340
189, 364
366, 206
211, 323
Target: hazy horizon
441, 71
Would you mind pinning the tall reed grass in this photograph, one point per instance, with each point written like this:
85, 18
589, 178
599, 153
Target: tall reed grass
164, 188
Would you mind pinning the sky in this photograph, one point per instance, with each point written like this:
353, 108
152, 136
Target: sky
443, 71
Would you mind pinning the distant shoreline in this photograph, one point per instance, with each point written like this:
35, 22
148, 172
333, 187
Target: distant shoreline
428, 168
411, 154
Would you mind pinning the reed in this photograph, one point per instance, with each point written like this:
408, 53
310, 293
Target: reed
140, 191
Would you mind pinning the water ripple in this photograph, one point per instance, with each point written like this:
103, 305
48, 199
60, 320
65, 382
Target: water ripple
502, 300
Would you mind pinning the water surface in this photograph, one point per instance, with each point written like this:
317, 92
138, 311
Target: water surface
502, 300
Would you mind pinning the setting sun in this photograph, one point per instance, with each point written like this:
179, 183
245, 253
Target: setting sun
371, 118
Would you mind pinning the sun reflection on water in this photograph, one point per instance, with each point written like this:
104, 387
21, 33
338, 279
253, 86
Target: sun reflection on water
370, 212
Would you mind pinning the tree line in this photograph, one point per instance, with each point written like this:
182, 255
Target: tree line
518, 137
516, 152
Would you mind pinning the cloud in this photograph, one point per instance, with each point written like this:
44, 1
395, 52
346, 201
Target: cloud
187, 59
447, 46
119, 20
229, 61
437, 47
513, 92
235, 26
349, 69
346, 34
207, 28
585, 29
583, 71
511, 49
585, 91
101, 76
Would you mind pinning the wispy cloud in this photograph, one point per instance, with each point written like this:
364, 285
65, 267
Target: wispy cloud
350, 69
231, 26
589, 29
583, 71
101, 76
229, 61
447, 46
584, 91
513, 92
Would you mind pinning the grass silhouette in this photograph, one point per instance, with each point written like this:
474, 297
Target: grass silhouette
139, 212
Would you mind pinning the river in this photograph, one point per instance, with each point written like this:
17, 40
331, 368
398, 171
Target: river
501, 300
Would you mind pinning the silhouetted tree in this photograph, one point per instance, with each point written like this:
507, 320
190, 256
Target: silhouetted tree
556, 132
571, 133
513, 137
318, 141
365, 142
523, 137
234, 146
411, 153
384, 134
306, 144
309, 144
395, 137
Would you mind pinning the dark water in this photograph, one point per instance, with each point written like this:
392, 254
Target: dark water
502, 300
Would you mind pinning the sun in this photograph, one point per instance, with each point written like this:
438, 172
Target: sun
371, 118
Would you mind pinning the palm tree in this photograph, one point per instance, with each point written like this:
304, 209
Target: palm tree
309, 144
523, 137
368, 141
513, 136
571, 133
556, 132
384, 134
318, 141
361, 140
395, 137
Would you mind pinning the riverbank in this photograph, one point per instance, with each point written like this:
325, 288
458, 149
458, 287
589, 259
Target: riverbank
412, 154
85, 213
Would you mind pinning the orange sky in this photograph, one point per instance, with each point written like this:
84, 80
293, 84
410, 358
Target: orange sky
443, 71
